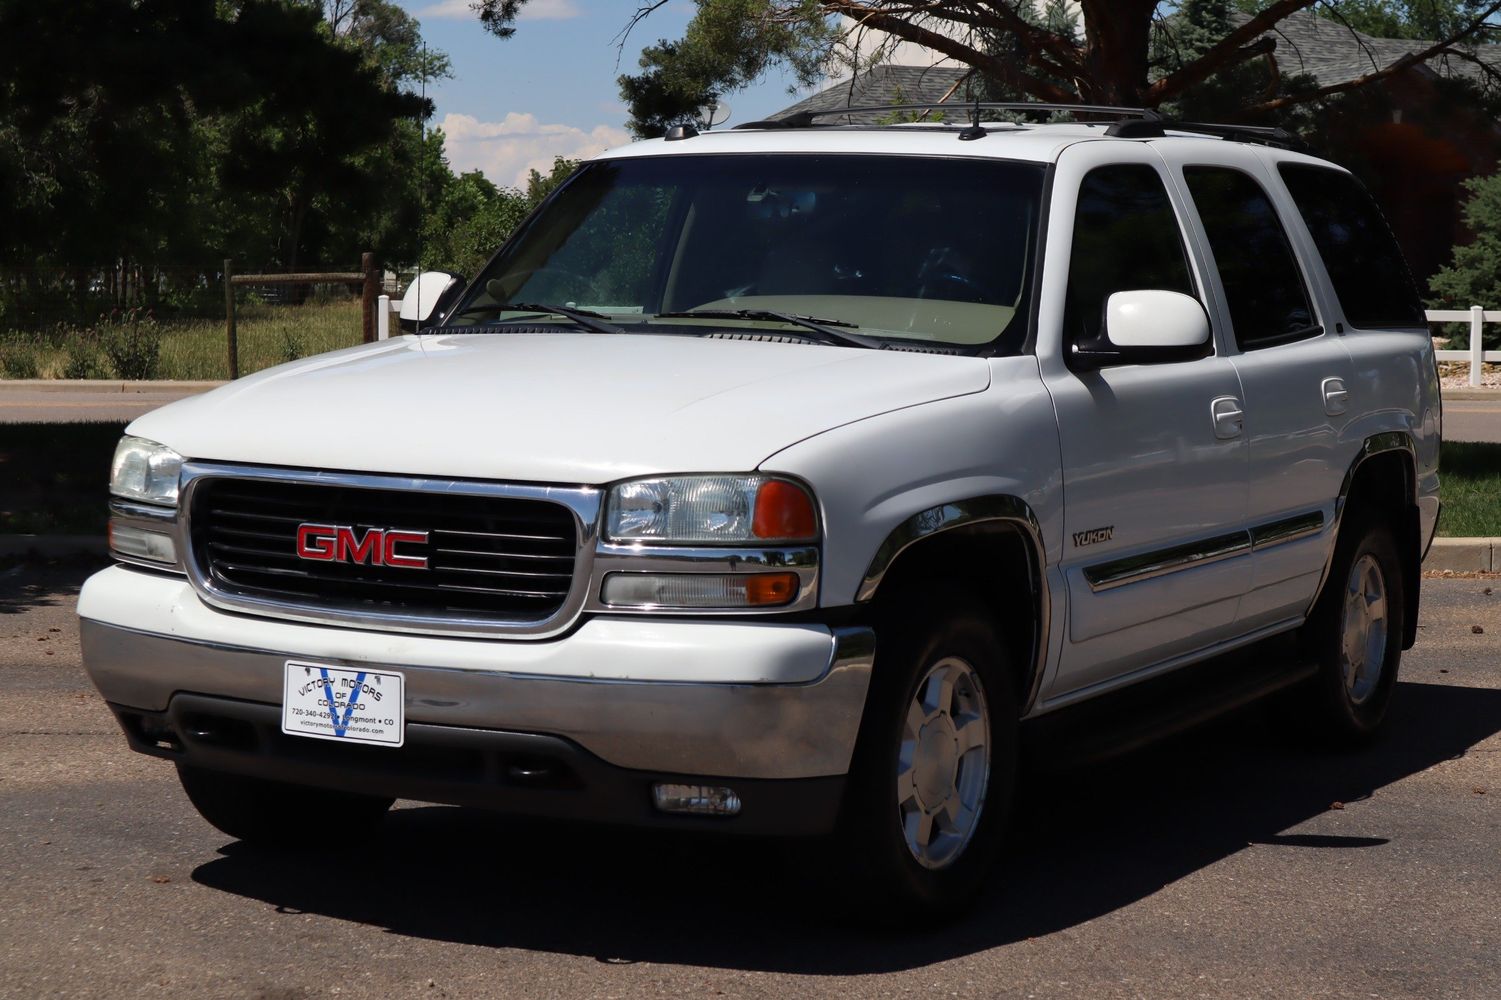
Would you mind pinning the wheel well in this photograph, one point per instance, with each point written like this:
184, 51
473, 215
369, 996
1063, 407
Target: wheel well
1383, 486
993, 561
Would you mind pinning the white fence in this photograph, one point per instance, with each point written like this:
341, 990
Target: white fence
1477, 354
388, 308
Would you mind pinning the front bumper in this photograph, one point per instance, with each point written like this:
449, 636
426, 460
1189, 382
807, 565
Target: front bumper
776, 703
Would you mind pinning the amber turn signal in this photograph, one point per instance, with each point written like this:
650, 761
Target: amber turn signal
769, 589
784, 512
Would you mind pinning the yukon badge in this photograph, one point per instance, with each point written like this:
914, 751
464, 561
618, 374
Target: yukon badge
377, 547
1093, 536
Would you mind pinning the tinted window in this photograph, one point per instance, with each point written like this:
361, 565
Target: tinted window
1263, 287
1126, 237
1362, 257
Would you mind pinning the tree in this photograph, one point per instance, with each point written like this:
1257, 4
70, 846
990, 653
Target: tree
1107, 55
1474, 275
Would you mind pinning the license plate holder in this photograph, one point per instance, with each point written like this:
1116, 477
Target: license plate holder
326, 702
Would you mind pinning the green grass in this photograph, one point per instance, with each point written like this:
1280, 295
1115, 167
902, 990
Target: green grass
54, 478
195, 348
1470, 486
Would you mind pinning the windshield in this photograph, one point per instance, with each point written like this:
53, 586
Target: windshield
902, 248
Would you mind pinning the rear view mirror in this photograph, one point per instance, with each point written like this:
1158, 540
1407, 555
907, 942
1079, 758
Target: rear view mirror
1145, 326
428, 299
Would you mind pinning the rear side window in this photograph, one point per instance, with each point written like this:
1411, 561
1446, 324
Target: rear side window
1264, 289
1126, 237
1364, 262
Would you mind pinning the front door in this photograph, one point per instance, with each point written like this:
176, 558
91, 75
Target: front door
1154, 455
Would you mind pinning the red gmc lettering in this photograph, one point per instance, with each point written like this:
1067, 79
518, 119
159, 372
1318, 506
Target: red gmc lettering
376, 547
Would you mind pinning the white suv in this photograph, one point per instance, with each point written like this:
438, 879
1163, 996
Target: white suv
775, 480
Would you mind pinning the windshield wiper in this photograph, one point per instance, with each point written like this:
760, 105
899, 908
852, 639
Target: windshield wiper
825, 328
583, 317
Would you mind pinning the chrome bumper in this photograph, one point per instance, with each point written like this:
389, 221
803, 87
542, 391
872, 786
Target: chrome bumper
773, 731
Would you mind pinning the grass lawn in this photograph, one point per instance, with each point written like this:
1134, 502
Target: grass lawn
195, 348
54, 479
1470, 485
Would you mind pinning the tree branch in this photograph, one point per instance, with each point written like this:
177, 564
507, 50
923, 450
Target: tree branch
1400, 66
1001, 69
1226, 52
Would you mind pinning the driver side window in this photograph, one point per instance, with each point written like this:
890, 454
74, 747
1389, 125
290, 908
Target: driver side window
1126, 237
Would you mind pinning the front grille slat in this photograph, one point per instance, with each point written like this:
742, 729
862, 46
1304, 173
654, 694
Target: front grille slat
510, 559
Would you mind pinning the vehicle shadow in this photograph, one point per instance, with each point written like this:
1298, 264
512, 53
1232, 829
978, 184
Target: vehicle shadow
32, 582
1089, 841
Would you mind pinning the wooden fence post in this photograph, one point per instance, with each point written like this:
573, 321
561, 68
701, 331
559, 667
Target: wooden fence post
371, 289
229, 319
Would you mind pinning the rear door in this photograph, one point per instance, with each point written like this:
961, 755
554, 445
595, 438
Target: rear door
1299, 382
1154, 482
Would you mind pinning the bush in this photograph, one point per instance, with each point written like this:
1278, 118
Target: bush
19, 362
1473, 278
83, 361
133, 346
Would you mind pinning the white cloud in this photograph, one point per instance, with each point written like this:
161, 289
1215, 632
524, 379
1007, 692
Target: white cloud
507, 150
534, 10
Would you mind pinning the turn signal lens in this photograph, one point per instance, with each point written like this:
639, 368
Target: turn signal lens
770, 589
784, 512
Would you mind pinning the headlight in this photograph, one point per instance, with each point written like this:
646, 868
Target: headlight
712, 509
145, 470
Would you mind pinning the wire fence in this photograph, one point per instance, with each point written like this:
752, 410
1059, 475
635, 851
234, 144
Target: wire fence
174, 321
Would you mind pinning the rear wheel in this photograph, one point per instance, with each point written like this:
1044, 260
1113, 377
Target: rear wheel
934, 768
1355, 632
274, 813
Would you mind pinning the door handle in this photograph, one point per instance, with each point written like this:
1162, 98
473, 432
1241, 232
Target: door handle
1228, 417
1336, 396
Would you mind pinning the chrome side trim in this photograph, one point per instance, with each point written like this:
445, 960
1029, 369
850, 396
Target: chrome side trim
1149, 565
1160, 562
1289, 529
993, 509
1376, 444
584, 503
615, 558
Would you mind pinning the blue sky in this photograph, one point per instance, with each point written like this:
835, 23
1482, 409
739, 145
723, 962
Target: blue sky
550, 90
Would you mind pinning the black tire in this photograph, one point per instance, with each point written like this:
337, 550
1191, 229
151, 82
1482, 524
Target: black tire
925, 628
275, 814
1346, 706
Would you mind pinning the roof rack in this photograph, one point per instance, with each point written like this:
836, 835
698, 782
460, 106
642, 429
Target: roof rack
1126, 123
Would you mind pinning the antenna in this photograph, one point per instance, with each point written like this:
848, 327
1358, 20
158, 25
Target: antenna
974, 131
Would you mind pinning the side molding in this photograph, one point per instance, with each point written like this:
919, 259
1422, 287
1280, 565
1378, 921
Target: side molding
962, 514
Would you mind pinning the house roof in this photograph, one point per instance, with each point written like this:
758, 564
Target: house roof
1306, 43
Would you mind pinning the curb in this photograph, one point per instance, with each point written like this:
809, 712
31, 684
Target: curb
53, 546
104, 385
1455, 555
1464, 555
1470, 393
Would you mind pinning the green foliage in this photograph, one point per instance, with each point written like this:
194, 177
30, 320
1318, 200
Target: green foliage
1470, 474
133, 346
473, 217
18, 362
1473, 278
82, 360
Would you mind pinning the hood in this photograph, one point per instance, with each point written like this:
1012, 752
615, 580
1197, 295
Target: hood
554, 408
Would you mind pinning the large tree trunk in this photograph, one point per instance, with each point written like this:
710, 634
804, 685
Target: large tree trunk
1117, 36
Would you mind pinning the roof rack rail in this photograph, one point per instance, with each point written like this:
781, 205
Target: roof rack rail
804, 119
1127, 123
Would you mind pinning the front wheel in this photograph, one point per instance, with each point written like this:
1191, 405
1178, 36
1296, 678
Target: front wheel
272, 813
934, 768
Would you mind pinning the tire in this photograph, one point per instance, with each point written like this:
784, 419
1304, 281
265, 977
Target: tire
272, 813
1354, 634
940, 672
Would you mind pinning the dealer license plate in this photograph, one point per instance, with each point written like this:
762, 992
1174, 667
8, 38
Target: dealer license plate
336, 703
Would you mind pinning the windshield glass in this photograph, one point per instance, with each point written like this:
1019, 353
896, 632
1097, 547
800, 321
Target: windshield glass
914, 248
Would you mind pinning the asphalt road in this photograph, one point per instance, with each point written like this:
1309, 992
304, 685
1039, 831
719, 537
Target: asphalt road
1230, 862
1464, 419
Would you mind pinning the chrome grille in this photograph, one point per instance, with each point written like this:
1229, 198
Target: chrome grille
489, 557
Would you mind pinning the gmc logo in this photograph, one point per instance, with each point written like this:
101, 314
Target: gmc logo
338, 543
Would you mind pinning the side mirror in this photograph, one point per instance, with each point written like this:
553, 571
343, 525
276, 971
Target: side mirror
1146, 326
428, 299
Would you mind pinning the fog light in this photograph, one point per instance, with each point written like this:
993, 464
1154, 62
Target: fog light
696, 800
699, 590
141, 543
